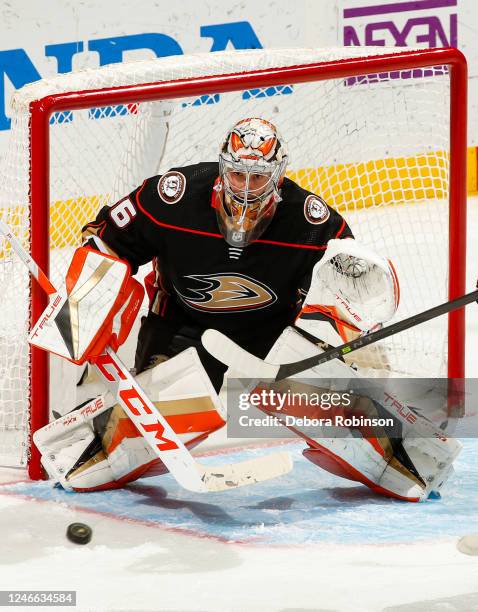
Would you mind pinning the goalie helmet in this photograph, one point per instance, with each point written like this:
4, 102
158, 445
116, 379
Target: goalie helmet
252, 164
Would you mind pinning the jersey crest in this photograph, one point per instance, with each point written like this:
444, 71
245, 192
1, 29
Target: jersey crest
171, 186
226, 292
316, 210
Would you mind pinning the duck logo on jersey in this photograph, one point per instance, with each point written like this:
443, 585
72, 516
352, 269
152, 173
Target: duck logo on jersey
225, 292
171, 187
316, 210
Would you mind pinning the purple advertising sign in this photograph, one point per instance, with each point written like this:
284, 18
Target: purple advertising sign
422, 23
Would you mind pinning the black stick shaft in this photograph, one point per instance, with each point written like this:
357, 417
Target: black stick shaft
289, 369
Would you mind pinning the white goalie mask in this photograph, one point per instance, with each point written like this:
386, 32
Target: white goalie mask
252, 164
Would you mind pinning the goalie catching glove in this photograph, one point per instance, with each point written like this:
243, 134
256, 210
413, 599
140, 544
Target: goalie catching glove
96, 307
352, 287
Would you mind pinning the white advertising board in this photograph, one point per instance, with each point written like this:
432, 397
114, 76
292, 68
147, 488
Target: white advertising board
45, 38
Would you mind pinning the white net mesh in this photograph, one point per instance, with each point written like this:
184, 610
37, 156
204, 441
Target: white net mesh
375, 148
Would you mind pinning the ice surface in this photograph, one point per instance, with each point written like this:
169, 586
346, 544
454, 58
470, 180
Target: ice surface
316, 543
307, 506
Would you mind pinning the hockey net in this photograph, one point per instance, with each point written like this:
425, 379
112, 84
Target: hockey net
366, 128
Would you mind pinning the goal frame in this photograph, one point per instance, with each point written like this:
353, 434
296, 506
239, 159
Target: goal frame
42, 109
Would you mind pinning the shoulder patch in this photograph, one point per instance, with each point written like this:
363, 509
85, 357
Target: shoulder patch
171, 186
315, 210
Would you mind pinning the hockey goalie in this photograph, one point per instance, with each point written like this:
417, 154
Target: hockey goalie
235, 246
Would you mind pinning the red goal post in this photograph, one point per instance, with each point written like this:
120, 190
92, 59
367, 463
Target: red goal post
383, 65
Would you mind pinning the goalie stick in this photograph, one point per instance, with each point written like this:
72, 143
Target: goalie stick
228, 352
156, 430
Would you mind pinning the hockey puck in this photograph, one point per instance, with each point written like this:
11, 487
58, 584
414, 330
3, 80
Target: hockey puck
468, 545
79, 533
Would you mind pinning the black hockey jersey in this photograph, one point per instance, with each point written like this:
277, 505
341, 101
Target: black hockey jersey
170, 221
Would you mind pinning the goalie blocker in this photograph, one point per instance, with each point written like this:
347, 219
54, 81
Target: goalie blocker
96, 307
